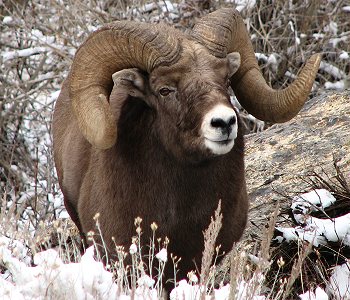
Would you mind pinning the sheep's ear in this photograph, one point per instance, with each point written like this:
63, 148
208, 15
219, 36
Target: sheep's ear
234, 60
130, 78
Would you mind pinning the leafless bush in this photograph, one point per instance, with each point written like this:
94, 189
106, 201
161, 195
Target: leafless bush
39, 39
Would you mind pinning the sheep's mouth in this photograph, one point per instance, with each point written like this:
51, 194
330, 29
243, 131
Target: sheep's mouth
219, 147
220, 142
224, 142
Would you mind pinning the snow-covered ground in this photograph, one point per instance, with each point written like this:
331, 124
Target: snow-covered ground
320, 232
88, 279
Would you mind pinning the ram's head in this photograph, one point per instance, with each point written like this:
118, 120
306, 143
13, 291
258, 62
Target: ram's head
183, 78
188, 102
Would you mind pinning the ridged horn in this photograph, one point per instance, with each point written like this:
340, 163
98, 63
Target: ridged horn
222, 32
114, 47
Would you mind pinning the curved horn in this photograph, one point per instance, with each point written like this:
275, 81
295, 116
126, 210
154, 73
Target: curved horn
115, 47
223, 32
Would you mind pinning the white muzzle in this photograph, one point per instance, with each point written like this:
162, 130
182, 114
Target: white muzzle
219, 129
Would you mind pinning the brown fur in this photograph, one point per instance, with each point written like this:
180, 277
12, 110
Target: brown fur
158, 169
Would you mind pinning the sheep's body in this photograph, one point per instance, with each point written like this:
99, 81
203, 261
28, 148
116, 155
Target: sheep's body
138, 177
165, 144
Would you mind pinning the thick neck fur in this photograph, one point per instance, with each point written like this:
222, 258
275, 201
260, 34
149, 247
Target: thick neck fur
173, 194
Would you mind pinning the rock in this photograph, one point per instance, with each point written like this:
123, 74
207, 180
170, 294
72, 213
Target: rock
278, 158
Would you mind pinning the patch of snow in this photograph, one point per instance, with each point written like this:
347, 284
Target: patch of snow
335, 41
262, 57
339, 283
7, 20
346, 8
318, 294
162, 255
192, 277
332, 70
243, 4
318, 36
315, 230
8, 291
338, 85
145, 280
63, 214
11, 247
222, 293
53, 279
26, 196
290, 75
344, 55
164, 6
272, 61
133, 249
319, 231
315, 200
308, 234
335, 230
332, 28
23, 53
185, 291
168, 6
244, 290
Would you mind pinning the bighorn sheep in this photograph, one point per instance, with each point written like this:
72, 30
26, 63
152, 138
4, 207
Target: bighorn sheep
165, 144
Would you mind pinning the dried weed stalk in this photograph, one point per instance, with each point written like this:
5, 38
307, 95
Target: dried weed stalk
210, 236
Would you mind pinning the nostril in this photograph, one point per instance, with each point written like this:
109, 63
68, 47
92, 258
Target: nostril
218, 123
231, 121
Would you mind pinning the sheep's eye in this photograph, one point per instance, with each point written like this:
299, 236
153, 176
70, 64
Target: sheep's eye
164, 91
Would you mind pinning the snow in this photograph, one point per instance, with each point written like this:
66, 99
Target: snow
133, 249
344, 55
339, 283
346, 8
319, 232
272, 61
315, 200
7, 20
162, 255
262, 57
192, 277
185, 291
318, 36
23, 53
334, 230
88, 279
332, 28
318, 294
337, 85
315, 230
241, 5
165, 6
50, 278
308, 234
146, 281
332, 70
11, 247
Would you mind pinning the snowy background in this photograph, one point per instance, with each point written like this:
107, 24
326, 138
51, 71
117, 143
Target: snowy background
38, 40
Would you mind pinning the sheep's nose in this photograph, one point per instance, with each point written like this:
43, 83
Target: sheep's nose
223, 123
